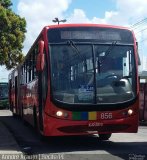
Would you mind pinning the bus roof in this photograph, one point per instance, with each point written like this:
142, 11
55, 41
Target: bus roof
86, 25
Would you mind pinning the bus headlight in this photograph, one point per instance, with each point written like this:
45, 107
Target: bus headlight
62, 114
59, 113
130, 112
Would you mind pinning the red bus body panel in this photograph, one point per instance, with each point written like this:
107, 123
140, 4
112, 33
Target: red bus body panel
119, 123
57, 127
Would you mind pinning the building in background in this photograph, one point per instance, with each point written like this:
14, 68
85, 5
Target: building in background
143, 66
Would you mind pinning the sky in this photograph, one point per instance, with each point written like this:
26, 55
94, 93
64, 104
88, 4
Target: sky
39, 13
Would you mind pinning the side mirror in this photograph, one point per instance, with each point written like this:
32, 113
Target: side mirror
40, 57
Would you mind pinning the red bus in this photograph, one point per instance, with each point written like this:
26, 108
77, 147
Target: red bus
79, 79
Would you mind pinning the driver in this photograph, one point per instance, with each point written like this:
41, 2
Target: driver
106, 74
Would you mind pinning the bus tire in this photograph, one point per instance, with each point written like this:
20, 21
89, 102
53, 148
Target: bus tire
104, 136
42, 137
14, 115
23, 119
35, 118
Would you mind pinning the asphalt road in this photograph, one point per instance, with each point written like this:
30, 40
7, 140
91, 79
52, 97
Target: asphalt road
132, 146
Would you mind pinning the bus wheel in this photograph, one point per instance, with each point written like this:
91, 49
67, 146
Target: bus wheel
104, 136
14, 115
35, 119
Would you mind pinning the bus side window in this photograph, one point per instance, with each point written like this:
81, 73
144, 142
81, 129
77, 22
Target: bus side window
23, 77
33, 67
29, 68
22, 73
27, 64
25, 72
34, 57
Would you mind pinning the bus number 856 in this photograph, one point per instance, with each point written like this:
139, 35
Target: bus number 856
106, 115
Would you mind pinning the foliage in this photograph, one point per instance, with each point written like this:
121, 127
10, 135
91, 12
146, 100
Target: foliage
12, 35
5, 3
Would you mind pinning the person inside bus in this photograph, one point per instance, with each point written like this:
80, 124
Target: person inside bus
106, 72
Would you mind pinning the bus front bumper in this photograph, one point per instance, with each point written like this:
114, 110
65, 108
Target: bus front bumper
61, 127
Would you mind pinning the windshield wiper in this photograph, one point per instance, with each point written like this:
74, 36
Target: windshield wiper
108, 51
72, 44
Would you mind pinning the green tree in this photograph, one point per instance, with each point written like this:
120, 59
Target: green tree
12, 35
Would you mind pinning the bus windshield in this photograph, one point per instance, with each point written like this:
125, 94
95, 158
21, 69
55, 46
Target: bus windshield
92, 73
3, 91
